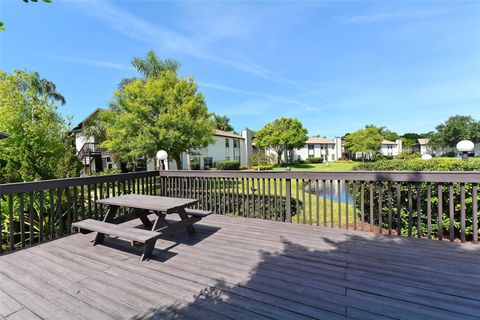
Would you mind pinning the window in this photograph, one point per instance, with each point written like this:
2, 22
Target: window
227, 158
311, 147
333, 157
207, 162
195, 163
310, 155
227, 143
237, 158
236, 143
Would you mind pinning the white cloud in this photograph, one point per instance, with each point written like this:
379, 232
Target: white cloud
386, 16
255, 93
164, 39
97, 63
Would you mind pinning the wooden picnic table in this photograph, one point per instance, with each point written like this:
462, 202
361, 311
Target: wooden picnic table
141, 206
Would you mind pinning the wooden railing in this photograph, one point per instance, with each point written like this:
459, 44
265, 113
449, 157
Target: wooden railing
399, 203
34, 212
441, 205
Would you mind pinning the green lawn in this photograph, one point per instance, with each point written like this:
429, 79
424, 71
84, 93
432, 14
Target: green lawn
333, 166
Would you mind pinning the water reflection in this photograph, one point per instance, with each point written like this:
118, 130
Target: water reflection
331, 189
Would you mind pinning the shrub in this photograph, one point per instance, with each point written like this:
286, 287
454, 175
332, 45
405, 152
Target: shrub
406, 155
314, 160
244, 168
436, 164
228, 165
259, 158
421, 165
266, 167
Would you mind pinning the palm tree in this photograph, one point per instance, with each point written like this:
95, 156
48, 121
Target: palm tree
46, 88
222, 122
151, 66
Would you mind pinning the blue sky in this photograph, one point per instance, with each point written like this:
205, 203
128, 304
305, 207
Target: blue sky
334, 65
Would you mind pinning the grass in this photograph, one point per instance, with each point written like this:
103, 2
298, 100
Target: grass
335, 166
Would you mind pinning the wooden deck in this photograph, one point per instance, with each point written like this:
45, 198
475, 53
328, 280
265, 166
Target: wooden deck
244, 269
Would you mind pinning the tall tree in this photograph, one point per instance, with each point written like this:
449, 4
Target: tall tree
151, 66
281, 135
46, 88
35, 150
222, 122
456, 128
159, 113
367, 140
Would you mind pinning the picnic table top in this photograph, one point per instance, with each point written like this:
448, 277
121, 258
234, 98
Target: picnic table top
147, 202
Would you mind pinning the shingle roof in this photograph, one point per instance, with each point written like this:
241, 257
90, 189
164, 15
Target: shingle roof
221, 133
3, 135
388, 142
319, 140
423, 141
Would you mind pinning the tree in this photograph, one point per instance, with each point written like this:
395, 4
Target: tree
222, 122
367, 140
456, 128
45, 88
159, 113
386, 133
151, 66
39, 146
281, 135
2, 28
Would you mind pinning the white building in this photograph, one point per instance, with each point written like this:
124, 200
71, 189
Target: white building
315, 147
227, 146
390, 148
94, 158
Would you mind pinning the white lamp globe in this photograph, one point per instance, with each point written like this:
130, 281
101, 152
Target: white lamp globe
162, 155
465, 146
426, 157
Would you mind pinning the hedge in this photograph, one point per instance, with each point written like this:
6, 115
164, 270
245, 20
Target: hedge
314, 160
420, 165
228, 165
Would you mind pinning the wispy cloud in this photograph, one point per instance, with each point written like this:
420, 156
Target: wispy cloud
386, 16
255, 93
97, 63
164, 39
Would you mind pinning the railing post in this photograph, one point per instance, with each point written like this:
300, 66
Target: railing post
288, 199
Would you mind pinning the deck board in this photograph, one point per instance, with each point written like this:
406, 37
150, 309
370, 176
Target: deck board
238, 268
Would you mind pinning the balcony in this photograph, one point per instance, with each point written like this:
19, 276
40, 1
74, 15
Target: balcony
282, 245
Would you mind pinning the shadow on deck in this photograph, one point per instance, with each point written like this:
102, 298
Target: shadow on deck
244, 269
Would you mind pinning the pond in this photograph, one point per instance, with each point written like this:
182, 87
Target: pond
331, 190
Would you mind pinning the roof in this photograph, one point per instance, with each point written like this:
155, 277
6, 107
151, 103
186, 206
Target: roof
319, 140
80, 125
221, 133
3, 135
388, 142
423, 141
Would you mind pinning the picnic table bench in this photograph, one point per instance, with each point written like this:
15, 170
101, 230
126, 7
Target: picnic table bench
142, 206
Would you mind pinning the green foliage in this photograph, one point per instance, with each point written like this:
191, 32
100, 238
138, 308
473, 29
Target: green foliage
39, 146
164, 113
244, 168
228, 165
435, 164
364, 140
314, 160
151, 66
222, 122
453, 130
96, 125
282, 134
260, 158
407, 155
